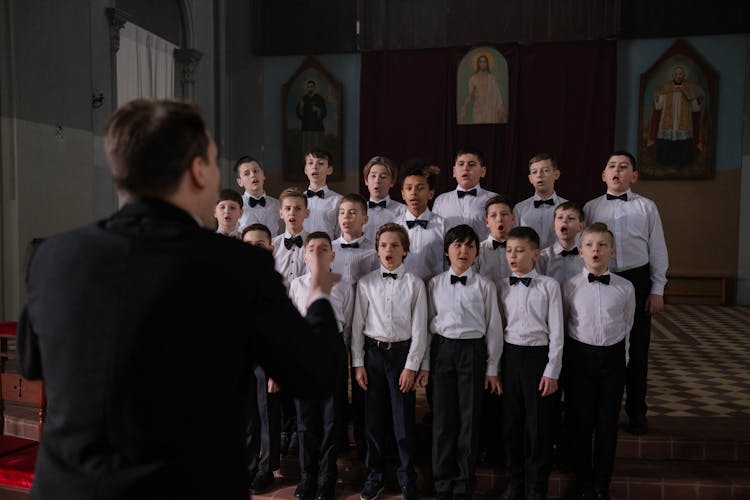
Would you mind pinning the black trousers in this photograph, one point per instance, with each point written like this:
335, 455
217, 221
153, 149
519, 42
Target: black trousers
529, 423
640, 339
384, 403
457, 370
264, 434
594, 377
318, 424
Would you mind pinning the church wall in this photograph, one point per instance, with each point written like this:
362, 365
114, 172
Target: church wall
701, 217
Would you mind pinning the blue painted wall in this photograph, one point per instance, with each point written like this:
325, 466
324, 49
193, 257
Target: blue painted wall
725, 53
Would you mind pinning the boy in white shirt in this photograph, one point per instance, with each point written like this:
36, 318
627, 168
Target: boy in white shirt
464, 357
561, 260
389, 340
538, 211
641, 258
227, 212
319, 421
380, 175
355, 252
599, 308
532, 359
499, 220
466, 204
321, 200
257, 206
425, 228
289, 247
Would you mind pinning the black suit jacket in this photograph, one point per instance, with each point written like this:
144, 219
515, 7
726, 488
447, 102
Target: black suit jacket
144, 328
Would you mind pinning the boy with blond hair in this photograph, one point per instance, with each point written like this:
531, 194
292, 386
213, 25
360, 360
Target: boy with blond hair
257, 206
380, 174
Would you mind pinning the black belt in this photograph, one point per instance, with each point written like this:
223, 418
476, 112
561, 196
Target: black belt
386, 346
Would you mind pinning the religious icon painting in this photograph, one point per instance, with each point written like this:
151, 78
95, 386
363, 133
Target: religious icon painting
482, 87
677, 116
312, 115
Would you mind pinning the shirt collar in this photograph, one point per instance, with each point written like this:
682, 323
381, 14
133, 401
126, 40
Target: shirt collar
477, 187
399, 271
628, 192
553, 197
469, 272
426, 215
248, 195
531, 274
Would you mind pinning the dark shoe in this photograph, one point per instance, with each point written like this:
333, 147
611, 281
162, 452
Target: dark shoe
409, 492
371, 490
602, 495
326, 491
262, 482
512, 492
637, 426
305, 490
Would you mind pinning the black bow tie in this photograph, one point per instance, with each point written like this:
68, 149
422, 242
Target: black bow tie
320, 194
260, 201
470, 192
603, 279
411, 223
515, 279
539, 203
573, 251
390, 275
623, 197
373, 204
458, 279
290, 242
496, 244
350, 245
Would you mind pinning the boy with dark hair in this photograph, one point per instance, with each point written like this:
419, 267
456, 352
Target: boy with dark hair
321, 200
641, 258
466, 204
599, 308
532, 359
425, 227
561, 260
257, 206
380, 175
464, 356
258, 235
389, 339
288, 247
227, 213
499, 219
318, 421
537, 211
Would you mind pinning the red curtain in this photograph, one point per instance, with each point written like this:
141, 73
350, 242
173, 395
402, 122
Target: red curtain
561, 100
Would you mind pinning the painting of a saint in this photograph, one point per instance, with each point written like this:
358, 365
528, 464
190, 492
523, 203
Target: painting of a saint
676, 126
482, 87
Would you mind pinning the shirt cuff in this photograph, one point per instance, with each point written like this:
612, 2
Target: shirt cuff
318, 296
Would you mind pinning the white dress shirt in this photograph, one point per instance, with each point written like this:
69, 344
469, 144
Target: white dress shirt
599, 314
233, 234
491, 262
267, 215
467, 210
467, 311
353, 263
290, 263
341, 298
391, 310
377, 216
552, 263
541, 218
534, 317
425, 258
639, 236
323, 213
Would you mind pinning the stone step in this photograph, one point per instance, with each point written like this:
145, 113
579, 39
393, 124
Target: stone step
632, 480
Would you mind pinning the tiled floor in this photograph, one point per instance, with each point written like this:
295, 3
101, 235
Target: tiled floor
699, 362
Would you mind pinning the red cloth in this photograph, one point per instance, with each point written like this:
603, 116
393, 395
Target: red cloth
8, 327
11, 444
17, 469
